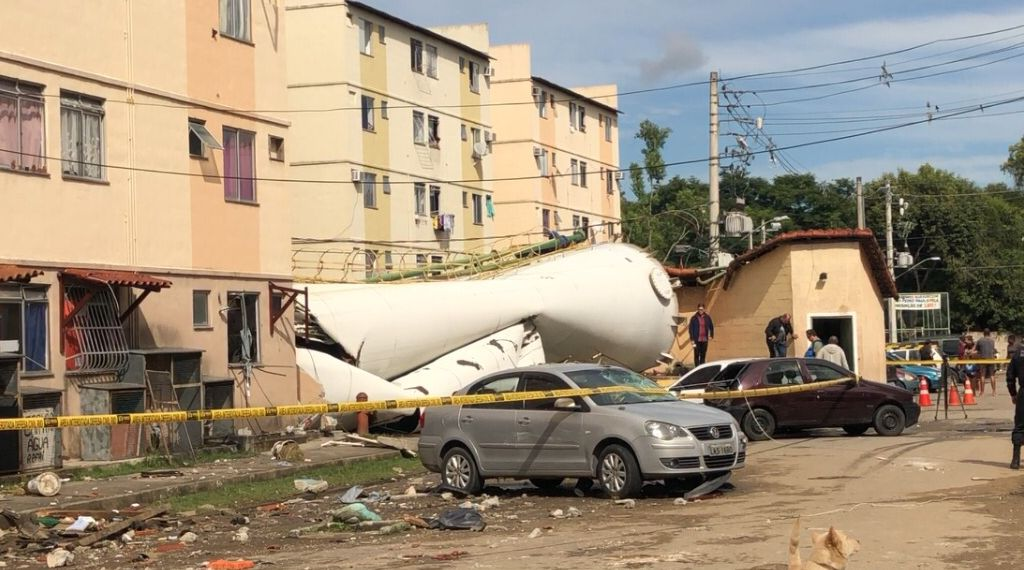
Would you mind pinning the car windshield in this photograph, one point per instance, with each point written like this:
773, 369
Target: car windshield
601, 377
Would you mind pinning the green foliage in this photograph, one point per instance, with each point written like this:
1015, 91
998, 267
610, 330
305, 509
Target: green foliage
1014, 165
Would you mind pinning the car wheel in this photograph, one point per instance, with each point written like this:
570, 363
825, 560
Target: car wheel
618, 472
460, 472
759, 424
890, 420
856, 430
546, 484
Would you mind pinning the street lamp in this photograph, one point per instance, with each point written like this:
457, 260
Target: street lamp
764, 232
893, 336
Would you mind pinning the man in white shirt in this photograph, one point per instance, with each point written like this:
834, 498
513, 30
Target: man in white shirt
833, 353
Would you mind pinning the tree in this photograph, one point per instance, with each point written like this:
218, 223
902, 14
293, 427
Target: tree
1014, 165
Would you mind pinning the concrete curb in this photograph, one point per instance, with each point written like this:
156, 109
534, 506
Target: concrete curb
153, 496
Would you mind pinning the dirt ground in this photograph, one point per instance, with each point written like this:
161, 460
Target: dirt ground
937, 497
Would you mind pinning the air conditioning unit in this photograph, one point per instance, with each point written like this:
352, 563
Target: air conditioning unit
537, 151
479, 149
488, 71
620, 174
490, 137
357, 175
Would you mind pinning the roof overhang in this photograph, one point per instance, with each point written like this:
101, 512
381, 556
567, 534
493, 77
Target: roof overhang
118, 278
17, 273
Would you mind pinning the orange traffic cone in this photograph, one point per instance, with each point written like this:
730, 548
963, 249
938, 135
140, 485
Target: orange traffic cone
924, 399
969, 394
953, 394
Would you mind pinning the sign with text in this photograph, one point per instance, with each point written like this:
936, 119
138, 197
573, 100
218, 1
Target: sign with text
919, 302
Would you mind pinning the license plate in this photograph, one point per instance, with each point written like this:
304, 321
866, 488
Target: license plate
720, 449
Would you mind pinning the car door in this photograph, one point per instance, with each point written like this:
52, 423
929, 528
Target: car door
796, 409
837, 404
491, 427
548, 440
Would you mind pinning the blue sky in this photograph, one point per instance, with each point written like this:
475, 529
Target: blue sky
643, 44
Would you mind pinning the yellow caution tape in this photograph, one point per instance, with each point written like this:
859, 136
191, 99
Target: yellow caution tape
952, 361
41, 422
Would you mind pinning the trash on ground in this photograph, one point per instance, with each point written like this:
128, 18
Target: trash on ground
626, 503
352, 495
355, 511
59, 557
535, 533
239, 564
46, 484
311, 485
458, 519
286, 450
707, 487
83, 524
161, 473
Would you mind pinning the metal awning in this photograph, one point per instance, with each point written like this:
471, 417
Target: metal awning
204, 135
119, 278
17, 273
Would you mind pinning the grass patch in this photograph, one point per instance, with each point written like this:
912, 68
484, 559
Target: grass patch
360, 472
152, 462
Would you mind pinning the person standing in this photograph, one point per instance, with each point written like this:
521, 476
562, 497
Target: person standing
986, 348
777, 335
1014, 382
814, 344
834, 353
702, 330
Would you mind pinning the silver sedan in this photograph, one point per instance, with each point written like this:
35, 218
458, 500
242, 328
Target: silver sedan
620, 439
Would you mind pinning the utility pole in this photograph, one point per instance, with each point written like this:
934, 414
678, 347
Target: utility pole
889, 259
860, 205
713, 175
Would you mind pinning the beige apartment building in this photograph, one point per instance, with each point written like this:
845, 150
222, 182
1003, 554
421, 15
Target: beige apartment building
556, 163
144, 252
394, 120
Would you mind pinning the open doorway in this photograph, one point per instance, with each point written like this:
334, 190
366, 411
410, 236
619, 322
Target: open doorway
841, 327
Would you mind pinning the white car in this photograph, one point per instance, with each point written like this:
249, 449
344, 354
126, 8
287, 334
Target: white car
694, 382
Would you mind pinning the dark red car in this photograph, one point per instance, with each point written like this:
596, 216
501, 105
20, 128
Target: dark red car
853, 406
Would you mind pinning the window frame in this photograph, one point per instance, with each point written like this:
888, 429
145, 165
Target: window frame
434, 199
22, 296
434, 131
478, 209
237, 178
431, 61
583, 173
419, 128
367, 115
385, 184
509, 405
244, 295
545, 218
21, 92
384, 109
474, 76
365, 37
243, 11
572, 115
81, 106
275, 148
368, 184
416, 55
574, 169
582, 121
204, 294
608, 128
419, 198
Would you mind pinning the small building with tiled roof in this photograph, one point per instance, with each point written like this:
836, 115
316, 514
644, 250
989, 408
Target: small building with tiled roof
834, 281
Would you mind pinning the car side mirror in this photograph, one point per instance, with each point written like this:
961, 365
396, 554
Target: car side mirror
567, 404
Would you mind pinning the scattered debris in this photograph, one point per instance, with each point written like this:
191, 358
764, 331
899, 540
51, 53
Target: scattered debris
535, 533
680, 501
241, 535
230, 564
707, 487
286, 450
188, 537
311, 485
46, 484
355, 512
571, 512
458, 519
983, 479
83, 524
161, 473
352, 495
627, 503
395, 528
119, 527
59, 557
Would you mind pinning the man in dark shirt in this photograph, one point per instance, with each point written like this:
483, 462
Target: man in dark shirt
777, 334
702, 329
1014, 381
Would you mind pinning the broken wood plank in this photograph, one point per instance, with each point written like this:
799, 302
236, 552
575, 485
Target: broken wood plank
120, 527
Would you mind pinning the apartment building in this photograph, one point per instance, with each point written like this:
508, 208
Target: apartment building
145, 236
556, 163
393, 119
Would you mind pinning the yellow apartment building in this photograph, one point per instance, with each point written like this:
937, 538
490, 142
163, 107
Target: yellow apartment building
393, 120
556, 164
146, 237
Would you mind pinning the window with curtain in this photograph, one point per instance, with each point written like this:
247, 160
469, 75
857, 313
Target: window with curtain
434, 131
81, 129
23, 326
243, 328
234, 19
474, 77
365, 36
478, 209
21, 126
239, 165
369, 186
420, 198
431, 61
419, 133
435, 200
416, 55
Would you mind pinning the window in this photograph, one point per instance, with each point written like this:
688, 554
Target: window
822, 372
200, 139
431, 61
419, 135
276, 146
380, 34
239, 173
81, 130
367, 113
476, 134
435, 200
421, 260
489, 206
574, 168
572, 115
608, 128
540, 97
243, 328
387, 184
365, 36
465, 199
582, 119
583, 174
369, 186
462, 64
474, 77
420, 198
543, 383
542, 162
200, 309
21, 126
503, 385
389, 264
545, 219
23, 322
585, 224
609, 182
370, 260
478, 209
234, 19
383, 109
434, 131
575, 222
416, 55
436, 261
464, 131
779, 373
